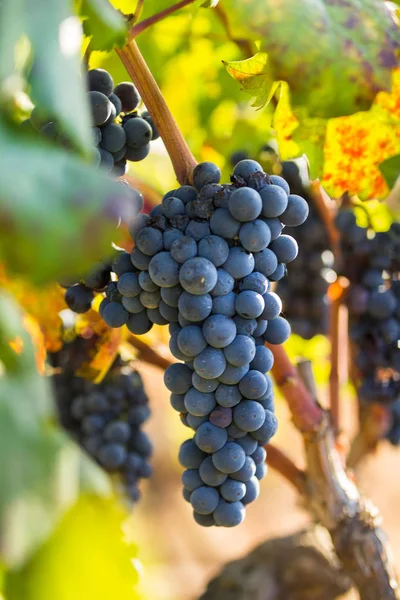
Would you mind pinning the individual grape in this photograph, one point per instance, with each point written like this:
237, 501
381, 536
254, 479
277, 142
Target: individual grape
253, 385
230, 458
296, 212
221, 416
225, 283
245, 326
204, 500
246, 472
277, 180
204, 385
223, 224
229, 514
99, 80
262, 325
205, 173
285, 248
275, 227
146, 283
191, 340
198, 403
198, 230
274, 201
178, 378
265, 262
113, 98
209, 474
272, 306
267, 430
228, 395
106, 160
278, 331
138, 133
195, 422
147, 117
139, 323
150, 299
137, 154
113, 138
241, 351
210, 438
112, 456
164, 270
172, 206
100, 107
79, 298
191, 479
175, 350
232, 375
252, 491
128, 284
235, 433
139, 260
246, 168
170, 313
256, 282
210, 363
263, 360
115, 314
249, 415
171, 295
279, 272
255, 235
240, 263
245, 204
248, 444
198, 276
203, 520
128, 96
249, 304
190, 456
381, 305
233, 491
195, 308
132, 304
149, 241
261, 470
169, 236
118, 432
137, 224
224, 305
183, 249
259, 455
219, 331
214, 248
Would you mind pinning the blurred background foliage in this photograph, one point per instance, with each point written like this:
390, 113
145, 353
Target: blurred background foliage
62, 533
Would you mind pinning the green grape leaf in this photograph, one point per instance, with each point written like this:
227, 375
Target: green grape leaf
390, 169
255, 76
335, 54
103, 24
55, 38
58, 217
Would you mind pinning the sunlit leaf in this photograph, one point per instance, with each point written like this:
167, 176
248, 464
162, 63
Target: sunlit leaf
335, 55
103, 24
390, 169
255, 76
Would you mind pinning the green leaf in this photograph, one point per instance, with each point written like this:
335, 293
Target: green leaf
29, 445
390, 169
57, 214
335, 55
255, 76
55, 38
103, 24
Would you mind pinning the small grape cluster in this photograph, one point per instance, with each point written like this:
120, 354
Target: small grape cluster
120, 132
106, 419
304, 292
371, 263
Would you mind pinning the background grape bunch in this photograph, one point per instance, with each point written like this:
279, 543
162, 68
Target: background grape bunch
105, 419
370, 261
203, 262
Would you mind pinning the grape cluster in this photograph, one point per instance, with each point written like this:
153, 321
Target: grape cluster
371, 262
304, 292
203, 262
106, 421
120, 132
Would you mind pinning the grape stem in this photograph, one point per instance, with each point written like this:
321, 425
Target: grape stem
148, 354
283, 464
182, 159
353, 522
375, 421
138, 28
338, 326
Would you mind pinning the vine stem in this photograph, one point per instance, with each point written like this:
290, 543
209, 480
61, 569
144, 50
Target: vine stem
283, 464
148, 354
138, 28
182, 159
